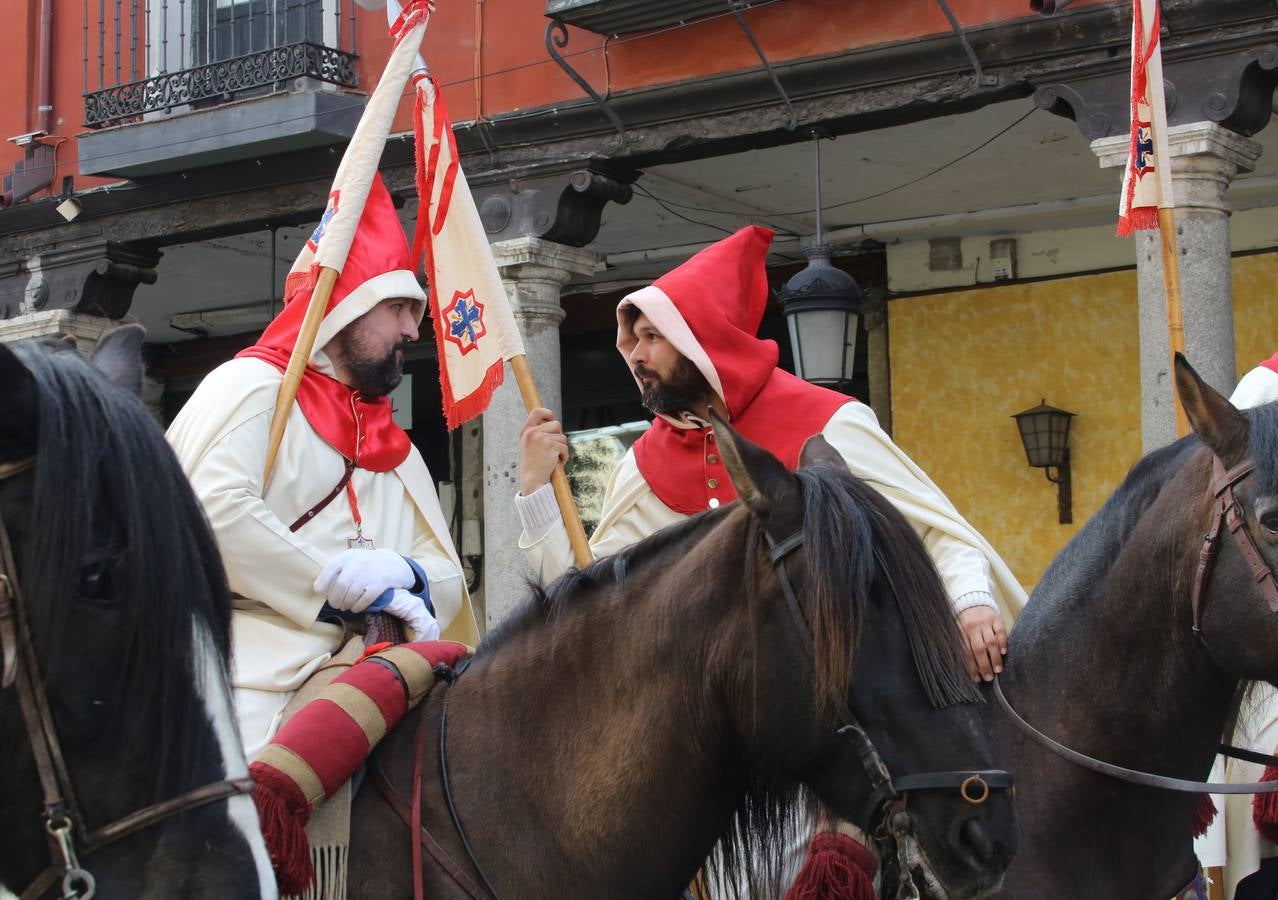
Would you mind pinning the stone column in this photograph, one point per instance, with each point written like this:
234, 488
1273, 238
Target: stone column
534, 271
879, 365
1205, 158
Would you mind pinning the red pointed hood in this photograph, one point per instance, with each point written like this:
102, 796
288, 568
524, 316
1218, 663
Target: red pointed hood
709, 309
377, 268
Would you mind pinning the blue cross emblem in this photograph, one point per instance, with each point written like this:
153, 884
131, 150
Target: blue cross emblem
465, 318
1144, 148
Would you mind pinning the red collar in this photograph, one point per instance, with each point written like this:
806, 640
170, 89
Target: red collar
683, 466
363, 431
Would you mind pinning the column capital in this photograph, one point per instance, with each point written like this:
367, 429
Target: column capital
57, 323
1205, 159
95, 279
517, 256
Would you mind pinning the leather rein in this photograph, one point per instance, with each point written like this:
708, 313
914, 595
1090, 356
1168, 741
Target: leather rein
887, 800
62, 819
1227, 513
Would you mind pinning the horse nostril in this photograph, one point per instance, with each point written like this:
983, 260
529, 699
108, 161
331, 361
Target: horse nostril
976, 840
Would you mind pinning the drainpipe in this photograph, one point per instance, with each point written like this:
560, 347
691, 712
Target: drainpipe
44, 109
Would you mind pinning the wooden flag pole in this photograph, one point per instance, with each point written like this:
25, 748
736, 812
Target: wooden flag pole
563, 493
1157, 102
1171, 288
297, 363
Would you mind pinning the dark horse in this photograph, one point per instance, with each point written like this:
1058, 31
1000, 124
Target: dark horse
1106, 660
116, 645
667, 698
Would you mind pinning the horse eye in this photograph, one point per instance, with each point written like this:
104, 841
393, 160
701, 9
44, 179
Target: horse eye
1269, 521
94, 583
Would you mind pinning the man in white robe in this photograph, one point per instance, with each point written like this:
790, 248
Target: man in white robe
690, 342
705, 313
349, 520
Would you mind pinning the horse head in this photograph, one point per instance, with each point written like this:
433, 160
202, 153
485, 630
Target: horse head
1234, 598
862, 652
122, 764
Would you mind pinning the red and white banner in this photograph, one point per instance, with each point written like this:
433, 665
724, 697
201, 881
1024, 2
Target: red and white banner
330, 243
1147, 178
475, 329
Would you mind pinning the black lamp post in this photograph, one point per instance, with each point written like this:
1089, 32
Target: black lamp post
821, 305
1045, 435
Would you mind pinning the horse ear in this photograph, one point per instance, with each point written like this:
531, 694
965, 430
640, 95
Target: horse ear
118, 355
817, 451
761, 480
1215, 420
17, 407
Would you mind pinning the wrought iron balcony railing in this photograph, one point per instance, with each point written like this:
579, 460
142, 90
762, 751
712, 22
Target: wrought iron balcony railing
161, 55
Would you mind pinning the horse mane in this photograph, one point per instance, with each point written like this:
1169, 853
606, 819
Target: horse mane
855, 541
1085, 561
104, 467
1263, 431
545, 604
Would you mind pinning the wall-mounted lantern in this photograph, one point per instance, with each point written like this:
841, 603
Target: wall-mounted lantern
1045, 434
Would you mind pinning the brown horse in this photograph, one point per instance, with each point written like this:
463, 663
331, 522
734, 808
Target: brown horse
1115, 658
669, 698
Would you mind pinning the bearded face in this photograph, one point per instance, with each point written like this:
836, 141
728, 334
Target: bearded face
373, 366
681, 389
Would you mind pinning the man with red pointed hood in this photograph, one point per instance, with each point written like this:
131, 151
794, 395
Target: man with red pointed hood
689, 340
349, 520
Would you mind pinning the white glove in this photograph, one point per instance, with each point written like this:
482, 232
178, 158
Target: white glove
354, 578
412, 610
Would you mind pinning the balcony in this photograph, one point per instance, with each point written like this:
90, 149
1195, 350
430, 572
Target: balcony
171, 84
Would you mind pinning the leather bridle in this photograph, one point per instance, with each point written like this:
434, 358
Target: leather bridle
62, 819
887, 800
1227, 514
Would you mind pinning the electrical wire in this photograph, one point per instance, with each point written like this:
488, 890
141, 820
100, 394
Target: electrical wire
667, 203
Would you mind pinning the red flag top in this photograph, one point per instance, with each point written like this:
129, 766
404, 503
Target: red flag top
709, 309
376, 269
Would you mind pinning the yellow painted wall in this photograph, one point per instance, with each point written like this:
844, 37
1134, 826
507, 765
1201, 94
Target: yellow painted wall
963, 362
1255, 309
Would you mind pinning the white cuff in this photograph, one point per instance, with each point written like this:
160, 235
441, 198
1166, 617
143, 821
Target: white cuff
974, 598
538, 512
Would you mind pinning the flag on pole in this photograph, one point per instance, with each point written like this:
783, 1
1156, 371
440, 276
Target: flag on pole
330, 243
475, 330
1147, 178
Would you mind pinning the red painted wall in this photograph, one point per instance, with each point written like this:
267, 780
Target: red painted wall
504, 42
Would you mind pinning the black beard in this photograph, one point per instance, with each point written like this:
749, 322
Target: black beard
685, 389
374, 378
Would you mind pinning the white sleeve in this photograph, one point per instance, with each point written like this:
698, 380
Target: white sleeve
870, 454
544, 539
264, 560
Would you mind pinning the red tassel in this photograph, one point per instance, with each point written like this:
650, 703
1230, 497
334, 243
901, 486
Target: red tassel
283, 813
1204, 814
1264, 808
836, 868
